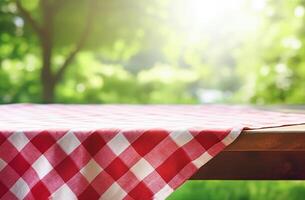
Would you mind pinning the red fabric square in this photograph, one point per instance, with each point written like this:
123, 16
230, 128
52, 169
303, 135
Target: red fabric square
53, 181
7, 151
55, 154
3, 189
116, 169
30, 177
194, 149
161, 152
19, 164
173, 165
2, 138
78, 183
9, 196
209, 138
6, 172
141, 191
39, 191
130, 156
94, 143
66, 169
108, 134
154, 179
102, 182
30, 153
213, 151
128, 181
105, 156
43, 141
89, 193
80, 156
183, 175
148, 141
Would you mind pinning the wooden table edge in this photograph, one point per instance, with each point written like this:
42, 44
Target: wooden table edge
287, 138
260, 154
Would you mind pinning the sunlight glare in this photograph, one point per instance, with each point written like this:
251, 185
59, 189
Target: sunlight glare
205, 11
198, 17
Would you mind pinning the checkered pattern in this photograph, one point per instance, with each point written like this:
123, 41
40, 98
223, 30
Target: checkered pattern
114, 152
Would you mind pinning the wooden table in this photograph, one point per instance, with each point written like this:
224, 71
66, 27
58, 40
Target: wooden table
263, 154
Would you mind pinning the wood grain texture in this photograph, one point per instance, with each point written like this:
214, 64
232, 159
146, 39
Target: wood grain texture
289, 165
269, 141
261, 154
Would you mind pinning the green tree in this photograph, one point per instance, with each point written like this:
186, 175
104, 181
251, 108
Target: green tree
54, 27
271, 61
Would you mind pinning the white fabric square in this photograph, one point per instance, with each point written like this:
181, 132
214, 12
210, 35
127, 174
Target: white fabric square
164, 192
42, 166
19, 140
232, 136
118, 144
64, 192
181, 137
201, 160
114, 192
2, 164
142, 169
69, 142
20, 189
91, 170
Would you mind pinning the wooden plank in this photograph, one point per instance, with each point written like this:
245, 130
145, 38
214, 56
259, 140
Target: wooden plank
262, 154
289, 165
269, 141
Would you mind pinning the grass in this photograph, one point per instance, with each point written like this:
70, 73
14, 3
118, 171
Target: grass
240, 190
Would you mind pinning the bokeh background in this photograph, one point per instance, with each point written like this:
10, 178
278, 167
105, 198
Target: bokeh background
158, 51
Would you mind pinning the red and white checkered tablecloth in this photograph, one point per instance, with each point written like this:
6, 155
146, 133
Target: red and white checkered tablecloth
115, 151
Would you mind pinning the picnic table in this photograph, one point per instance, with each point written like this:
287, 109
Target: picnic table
262, 154
141, 151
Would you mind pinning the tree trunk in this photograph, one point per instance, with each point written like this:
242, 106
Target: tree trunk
47, 77
46, 38
48, 92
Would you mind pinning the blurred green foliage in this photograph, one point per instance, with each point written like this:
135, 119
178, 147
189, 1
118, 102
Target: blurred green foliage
272, 59
240, 190
139, 52
150, 52
135, 55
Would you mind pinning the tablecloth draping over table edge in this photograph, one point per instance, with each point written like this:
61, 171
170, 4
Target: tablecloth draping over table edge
115, 151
